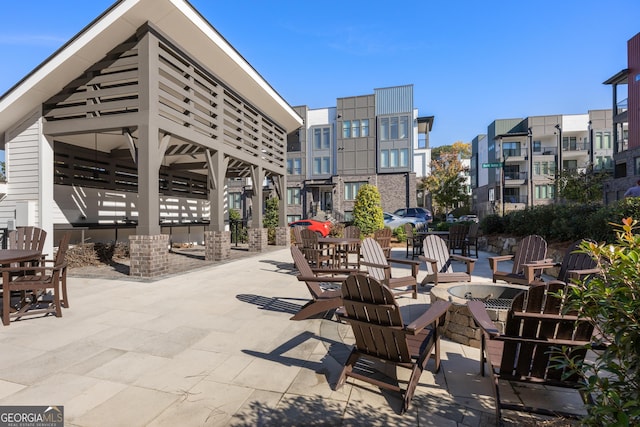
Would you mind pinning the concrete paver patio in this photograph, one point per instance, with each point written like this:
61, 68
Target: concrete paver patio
215, 347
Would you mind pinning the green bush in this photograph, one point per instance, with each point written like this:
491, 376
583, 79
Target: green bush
492, 224
611, 301
270, 219
399, 234
336, 230
367, 210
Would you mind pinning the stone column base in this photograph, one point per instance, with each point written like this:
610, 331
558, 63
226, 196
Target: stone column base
258, 239
217, 245
283, 236
149, 255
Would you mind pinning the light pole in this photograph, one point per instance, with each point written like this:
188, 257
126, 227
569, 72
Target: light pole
559, 163
530, 198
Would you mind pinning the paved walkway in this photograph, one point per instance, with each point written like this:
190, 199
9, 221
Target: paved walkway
215, 347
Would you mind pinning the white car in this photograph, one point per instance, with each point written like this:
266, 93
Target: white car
394, 221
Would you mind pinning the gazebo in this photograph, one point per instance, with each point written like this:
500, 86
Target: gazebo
151, 104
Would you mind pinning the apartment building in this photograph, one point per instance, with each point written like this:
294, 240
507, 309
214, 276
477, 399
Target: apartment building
626, 118
515, 164
374, 139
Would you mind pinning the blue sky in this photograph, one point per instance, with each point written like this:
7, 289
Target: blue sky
470, 61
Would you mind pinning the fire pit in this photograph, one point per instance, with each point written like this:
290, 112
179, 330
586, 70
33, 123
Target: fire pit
460, 325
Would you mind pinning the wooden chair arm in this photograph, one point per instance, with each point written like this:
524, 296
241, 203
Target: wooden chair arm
471, 262
479, 313
577, 274
550, 341
35, 269
433, 262
435, 311
494, 260
341, 271
404, 261
322, 279
373, 264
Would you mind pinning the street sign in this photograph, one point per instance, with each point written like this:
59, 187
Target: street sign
492, 165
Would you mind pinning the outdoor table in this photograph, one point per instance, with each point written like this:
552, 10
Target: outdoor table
335, 243
10, 256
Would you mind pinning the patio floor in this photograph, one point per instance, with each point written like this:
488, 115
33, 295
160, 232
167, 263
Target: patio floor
214, 346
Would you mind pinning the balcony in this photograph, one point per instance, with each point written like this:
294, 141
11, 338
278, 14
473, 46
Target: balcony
514, 179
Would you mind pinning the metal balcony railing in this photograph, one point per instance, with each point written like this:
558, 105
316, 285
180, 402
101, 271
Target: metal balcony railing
515, 176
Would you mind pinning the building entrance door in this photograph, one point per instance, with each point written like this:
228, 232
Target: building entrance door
327, 201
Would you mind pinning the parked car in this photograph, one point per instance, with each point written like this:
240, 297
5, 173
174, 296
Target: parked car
394, 221
320, 227
424, 214
469, 218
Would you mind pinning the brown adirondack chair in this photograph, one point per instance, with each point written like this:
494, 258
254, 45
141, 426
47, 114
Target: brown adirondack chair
535, 324
439, 262
380, 334
383, 237
414, 241
531, 250
458, 238
379, 267
297, 236
575, 265
28, 238
33, 282
323, 298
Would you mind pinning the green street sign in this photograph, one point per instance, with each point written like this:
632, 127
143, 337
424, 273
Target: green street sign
492, 165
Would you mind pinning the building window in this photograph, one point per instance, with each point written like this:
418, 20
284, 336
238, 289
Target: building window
235, 201
294, 166
384, 158
293, 196
404, 157
512, 195
321, 138
346, 129
636, 168
606, 140
348, 216
321, 165
537, 146
544, 192
291, 218
394, 158
355, 129
364, 127
351, 189
544, 168
569, 143
511, 149
392, 128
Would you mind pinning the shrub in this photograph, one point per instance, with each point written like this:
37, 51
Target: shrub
399, 234
336, 230
367, 210
611, 301
270, 219
492, 224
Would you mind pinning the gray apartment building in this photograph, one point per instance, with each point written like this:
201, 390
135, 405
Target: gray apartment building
365, 139
514, 165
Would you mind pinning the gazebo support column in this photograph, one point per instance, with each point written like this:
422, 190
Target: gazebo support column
149, 249
258, 238
283, 234
217, 238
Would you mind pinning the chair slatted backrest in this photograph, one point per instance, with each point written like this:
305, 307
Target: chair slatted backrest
575, 261
536, 315
472, 238
302, 265
531, 249
457, 237
352, 232
375, 318
435, 247
383, 237
297, 235
63, 247
29, 238
372, 253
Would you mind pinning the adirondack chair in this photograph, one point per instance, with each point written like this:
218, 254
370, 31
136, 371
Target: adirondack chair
323, 298
29, 238
33, 282
379, 267
316, 255
439, 262
297, 236
535, 323
574, 266
383, 237
414, 241
380, 334
472, 238
532, 249
458, 238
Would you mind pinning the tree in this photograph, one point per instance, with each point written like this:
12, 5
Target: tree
459, 148
446, 183
367, 210
581, 187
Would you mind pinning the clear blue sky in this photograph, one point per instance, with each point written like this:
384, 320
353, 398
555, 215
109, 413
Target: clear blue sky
470, 61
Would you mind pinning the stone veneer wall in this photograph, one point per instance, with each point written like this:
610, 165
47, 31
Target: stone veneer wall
283, 236
217, 245
149, 255
258, 239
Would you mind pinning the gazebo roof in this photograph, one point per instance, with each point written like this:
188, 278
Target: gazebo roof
175, 18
